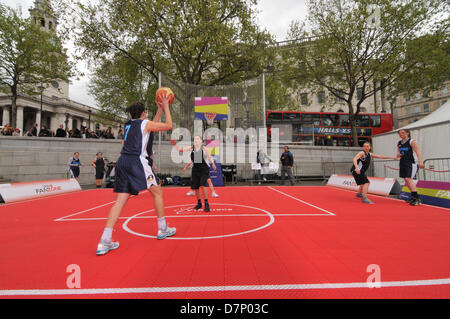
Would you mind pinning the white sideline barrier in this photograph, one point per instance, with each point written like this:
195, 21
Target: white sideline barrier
15, 192
378, 185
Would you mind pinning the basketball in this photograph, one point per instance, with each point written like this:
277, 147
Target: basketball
164, 91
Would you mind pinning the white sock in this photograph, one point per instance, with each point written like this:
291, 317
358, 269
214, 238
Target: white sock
162, 223
107, 235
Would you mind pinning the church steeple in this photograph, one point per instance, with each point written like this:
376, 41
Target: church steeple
43, 15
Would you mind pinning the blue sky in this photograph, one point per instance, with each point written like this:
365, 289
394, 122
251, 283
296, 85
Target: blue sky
274, 16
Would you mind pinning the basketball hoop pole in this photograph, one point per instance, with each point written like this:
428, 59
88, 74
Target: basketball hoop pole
264, 98
159, 133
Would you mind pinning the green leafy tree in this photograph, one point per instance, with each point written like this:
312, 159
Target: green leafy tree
432, 53
193, 41
30, 57
361, 45
117, 82
278, 95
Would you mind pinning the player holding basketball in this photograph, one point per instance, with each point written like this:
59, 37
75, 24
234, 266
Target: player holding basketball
133, 172
200, 170
360, 165
410, 162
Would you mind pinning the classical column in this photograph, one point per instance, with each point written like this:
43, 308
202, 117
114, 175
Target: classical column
53, 123
89, 119
84, 123
5, 115
70, 122
57, 120
19, 119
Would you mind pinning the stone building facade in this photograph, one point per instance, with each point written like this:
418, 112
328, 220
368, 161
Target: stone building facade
53, 107
409, 109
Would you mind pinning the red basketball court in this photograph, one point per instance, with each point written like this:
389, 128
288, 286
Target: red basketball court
257, 242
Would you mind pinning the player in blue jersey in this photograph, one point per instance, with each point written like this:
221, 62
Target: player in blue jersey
134, 171
74, 165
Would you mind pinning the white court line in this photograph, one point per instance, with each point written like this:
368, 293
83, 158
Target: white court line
299, 200
175, 216
95, 291
271, 221
84, 211
64, 218
188, 216
209, 215
87, 210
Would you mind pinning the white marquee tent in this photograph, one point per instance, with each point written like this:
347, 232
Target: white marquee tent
431, 132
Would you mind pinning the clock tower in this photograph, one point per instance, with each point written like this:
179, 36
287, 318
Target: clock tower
44, 16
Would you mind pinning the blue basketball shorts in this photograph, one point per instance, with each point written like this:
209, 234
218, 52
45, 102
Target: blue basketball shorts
134, 174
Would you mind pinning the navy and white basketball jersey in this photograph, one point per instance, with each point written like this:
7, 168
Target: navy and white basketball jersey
135, 139
407, 152
133, 169
150, 149
74, 167
363, 163
75, 162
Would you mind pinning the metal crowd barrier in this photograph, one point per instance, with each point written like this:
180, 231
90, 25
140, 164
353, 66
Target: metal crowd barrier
386, 168
436, 169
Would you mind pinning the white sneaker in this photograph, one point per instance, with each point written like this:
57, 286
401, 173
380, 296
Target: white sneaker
214, 194
190, 193
169, 231
103, 248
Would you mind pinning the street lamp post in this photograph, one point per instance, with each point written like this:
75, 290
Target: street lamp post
41, 88
66, 122
89, 120
40, 120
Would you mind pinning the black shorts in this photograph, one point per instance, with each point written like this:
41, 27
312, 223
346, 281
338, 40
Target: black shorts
99, 174
199, 177
408, 170
360, 178
75, 171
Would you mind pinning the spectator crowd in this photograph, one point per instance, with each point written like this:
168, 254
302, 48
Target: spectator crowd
63, 132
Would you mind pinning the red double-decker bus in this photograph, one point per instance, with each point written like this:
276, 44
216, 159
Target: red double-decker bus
327, 128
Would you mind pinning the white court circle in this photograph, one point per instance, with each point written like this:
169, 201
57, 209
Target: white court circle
271, 221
